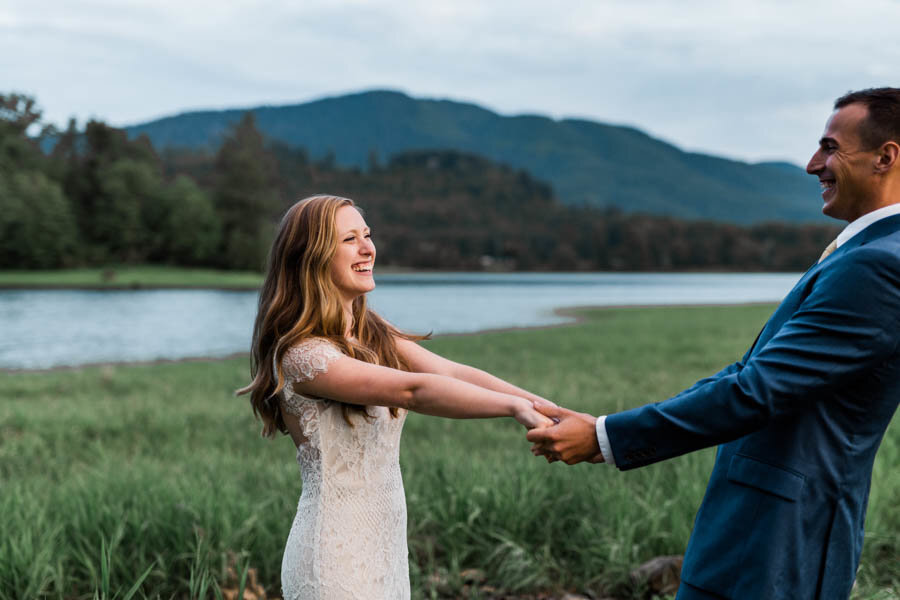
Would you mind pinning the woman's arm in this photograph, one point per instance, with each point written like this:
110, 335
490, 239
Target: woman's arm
425, 361
356, 382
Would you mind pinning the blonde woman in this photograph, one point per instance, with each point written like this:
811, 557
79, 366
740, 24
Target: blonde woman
339, 380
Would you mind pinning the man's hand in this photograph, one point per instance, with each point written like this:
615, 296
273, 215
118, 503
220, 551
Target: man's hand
531, 418
572, 440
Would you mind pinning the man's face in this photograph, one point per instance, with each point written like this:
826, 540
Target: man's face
844, 168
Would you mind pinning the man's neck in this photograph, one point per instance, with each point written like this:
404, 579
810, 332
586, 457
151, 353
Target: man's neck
857, 225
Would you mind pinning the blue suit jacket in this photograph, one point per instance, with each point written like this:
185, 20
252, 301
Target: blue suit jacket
799, 420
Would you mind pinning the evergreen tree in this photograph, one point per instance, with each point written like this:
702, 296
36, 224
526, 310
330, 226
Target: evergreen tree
36, 225
19, 113
191, 227
114, 185
37, 229
126, 218
19, 151
245, 196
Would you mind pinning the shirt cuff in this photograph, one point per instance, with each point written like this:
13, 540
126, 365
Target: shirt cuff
603, 440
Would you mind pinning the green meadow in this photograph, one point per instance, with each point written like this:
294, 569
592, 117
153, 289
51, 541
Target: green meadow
130, 276
151, 481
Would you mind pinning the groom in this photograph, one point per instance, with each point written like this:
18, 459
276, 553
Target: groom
800, 417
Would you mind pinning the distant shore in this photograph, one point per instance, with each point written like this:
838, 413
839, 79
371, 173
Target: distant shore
130, 278
142, 277
154, 277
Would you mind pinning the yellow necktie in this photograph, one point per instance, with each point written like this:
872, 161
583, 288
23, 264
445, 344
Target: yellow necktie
828, 250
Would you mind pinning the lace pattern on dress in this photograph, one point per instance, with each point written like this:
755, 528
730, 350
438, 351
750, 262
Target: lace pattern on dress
304, 362
309, 358
348, 539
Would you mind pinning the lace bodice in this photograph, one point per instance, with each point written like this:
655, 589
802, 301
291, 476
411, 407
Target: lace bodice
348, 540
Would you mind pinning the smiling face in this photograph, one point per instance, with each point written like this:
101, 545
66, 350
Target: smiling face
354, 257
844, 168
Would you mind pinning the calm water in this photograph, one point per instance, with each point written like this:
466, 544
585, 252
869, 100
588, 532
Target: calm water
40, 329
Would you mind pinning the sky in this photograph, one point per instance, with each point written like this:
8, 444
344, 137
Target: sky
747, 80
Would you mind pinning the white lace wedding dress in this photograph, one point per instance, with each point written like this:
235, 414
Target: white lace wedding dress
348, 540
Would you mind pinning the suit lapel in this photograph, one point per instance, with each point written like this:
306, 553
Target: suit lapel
877, 230
796, 296
787, 307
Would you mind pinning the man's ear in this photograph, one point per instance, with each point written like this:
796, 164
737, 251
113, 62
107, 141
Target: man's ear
887, 157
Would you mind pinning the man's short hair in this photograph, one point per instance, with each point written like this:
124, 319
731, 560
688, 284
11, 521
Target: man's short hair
883, 123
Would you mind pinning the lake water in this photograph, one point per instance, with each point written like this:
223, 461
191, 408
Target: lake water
42, 329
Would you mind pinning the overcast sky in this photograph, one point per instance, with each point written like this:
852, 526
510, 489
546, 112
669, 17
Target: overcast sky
752, 80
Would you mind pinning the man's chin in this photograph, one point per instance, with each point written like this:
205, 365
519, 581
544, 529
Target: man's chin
830, 210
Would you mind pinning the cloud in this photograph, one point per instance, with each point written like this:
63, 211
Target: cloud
751, 80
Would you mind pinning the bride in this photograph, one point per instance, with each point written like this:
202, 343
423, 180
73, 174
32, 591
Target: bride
339, 380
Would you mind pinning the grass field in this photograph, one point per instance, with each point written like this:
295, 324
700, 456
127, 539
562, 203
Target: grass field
130, 277
139, 276
153, 479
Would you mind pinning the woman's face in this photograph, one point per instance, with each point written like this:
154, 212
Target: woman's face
354, 258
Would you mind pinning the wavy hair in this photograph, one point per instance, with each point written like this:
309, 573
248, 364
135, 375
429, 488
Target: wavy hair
299, 299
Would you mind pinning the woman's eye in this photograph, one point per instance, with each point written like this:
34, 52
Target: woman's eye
349, 239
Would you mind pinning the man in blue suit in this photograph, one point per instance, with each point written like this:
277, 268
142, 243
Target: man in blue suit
798, 420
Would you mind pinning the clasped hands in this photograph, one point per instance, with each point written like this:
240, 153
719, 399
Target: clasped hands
572, 438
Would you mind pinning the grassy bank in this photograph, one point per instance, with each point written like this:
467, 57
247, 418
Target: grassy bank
141, 276
130, 277
160, 470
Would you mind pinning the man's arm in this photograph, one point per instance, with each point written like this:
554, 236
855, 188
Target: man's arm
848, 324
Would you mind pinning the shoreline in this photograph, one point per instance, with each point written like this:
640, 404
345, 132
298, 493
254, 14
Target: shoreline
133, 281
130, 287
134, 288
574, 313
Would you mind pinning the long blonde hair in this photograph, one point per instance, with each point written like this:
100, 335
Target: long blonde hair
298, 300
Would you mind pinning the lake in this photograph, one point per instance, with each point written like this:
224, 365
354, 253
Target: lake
47, 328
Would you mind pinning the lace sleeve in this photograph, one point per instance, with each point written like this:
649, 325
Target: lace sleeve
309, 358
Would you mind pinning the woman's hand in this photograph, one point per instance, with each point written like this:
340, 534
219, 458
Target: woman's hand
530, 418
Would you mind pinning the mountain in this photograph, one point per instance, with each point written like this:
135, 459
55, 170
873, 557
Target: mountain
586, 162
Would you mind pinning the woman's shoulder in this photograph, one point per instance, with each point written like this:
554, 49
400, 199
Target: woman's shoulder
313, 342
310, 357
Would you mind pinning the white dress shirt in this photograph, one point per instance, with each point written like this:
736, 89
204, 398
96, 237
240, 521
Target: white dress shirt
849, 231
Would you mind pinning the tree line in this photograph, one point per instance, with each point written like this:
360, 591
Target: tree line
94, 197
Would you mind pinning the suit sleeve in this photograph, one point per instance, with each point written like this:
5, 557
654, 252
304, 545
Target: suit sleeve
848, 324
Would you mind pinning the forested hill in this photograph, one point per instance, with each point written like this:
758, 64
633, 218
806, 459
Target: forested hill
98, 199
586, 162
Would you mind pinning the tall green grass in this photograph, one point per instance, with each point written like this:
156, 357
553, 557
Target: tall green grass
153, 480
